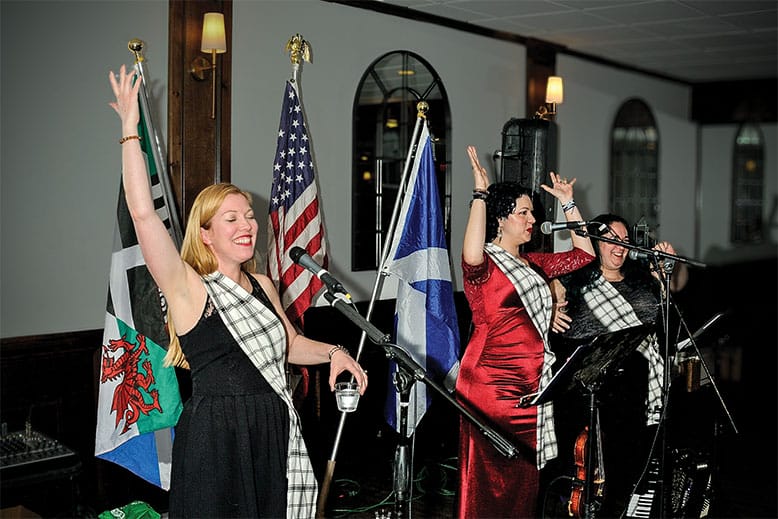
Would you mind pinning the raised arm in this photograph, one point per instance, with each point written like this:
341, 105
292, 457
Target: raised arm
159, 251
563, 191
475, 231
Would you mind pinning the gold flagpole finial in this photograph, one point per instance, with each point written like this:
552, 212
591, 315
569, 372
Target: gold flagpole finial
421, 109
136, 47
298, 48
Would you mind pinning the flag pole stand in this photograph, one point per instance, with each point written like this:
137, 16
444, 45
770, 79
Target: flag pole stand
403, 454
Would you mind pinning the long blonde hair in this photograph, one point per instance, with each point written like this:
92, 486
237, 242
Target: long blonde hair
198, 255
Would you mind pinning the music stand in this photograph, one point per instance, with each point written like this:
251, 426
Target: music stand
587, 369
590, 364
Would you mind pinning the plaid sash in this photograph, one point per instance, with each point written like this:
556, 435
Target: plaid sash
262, 337
536, 296
615, 313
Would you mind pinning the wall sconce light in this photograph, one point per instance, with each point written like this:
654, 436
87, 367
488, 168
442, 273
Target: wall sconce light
214, 41
554, 96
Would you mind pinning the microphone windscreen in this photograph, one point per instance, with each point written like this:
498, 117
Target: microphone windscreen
296, 253
635, 254
545, 227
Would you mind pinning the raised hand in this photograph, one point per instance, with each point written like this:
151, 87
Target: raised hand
561, 188
480, 177
126, 104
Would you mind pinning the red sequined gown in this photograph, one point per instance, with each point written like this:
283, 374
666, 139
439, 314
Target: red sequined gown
502, 362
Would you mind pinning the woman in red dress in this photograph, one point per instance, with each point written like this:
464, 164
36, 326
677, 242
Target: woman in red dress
507, 356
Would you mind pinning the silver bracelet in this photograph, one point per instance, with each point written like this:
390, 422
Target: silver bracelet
335, 348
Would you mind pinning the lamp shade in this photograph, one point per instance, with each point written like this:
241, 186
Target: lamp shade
554, 90
214, 38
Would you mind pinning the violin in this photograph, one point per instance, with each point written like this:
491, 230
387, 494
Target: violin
576, 505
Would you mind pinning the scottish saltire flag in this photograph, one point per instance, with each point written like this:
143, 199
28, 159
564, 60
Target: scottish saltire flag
425, 316
294, 219
139, 401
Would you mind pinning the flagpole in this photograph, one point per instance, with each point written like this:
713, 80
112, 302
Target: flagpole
422, 107
136, 47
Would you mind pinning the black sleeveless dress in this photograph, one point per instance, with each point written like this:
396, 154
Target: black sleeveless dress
231, 442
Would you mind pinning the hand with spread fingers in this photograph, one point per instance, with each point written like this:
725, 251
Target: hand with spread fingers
561, 188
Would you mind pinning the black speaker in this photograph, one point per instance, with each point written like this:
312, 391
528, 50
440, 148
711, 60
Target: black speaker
528, 154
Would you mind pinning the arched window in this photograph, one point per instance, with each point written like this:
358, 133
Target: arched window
747, 185
634, 174
384, 119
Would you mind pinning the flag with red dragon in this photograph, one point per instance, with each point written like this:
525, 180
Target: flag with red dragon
139, 400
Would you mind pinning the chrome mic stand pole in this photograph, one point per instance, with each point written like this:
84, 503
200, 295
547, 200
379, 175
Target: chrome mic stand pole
663, 473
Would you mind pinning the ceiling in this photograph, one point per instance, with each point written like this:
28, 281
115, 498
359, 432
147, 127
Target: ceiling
689, 40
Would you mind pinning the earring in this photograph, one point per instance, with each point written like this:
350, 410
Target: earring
499, 234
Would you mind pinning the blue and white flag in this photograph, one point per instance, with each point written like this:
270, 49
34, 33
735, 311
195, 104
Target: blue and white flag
425, 316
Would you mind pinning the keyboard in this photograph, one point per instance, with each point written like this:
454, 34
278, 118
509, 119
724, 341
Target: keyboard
644, 502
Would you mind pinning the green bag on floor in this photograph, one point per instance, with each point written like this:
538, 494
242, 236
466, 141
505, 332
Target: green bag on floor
134, 510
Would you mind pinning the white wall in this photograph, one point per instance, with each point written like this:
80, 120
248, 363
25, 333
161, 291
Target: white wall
60, 161
593, 95
484, 79
717, 145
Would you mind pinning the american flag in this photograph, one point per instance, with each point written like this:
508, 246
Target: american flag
294, 218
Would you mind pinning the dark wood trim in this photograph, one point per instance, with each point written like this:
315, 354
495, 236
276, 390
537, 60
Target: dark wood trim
541, 63
420, 16
198, 146
43, 345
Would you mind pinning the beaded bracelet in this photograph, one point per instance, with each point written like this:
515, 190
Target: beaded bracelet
478, 195
335, 348
569, 206
128, 138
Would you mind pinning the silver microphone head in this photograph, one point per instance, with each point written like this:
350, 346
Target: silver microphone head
545, 228
635, 254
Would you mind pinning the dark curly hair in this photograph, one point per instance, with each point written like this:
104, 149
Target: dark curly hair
579, 281
500, 203
607, 220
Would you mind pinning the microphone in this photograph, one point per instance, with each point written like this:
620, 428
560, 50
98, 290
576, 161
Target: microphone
667, 264
635, 254
302, 258
549, 227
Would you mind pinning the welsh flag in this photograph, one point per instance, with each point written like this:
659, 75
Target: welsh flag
139, 400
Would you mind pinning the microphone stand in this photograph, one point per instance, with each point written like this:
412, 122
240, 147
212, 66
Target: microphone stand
662, 262
409, 372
